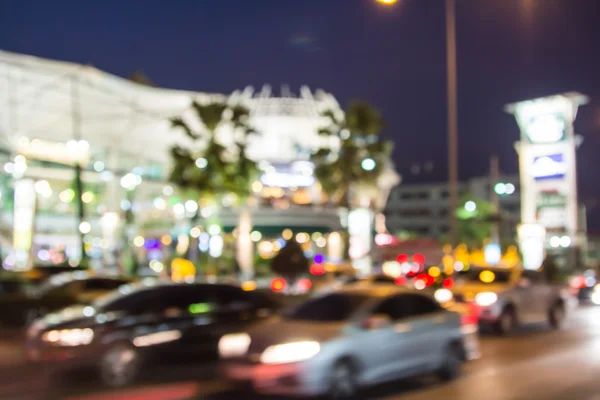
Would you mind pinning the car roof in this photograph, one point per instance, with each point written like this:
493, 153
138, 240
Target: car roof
373, 290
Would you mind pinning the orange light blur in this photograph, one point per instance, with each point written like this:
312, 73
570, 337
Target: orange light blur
249, 286
278, 284
387, 2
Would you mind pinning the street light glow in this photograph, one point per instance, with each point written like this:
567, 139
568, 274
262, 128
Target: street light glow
368, 164
500, 188
387, 2
470, 206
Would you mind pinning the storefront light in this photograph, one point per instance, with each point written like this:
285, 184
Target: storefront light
167, 191
159, 203
257, 187
214, 229
302, 237
85, 227
98, 166
287, 234
201, 162
87, 197
195, 232
191, 206
255, 236
138, 241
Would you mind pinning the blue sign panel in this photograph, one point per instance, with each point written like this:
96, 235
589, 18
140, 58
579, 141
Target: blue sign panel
552, 166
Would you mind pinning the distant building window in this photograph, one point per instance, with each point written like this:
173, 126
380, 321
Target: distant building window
417, 212
443, 212
406, 196
444, 194
423, 195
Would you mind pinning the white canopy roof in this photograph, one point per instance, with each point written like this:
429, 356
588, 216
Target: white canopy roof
60, 101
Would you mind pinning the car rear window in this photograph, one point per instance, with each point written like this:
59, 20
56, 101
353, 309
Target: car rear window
329, 308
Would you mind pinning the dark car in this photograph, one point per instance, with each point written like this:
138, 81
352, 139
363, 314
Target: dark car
144, 323
56, 292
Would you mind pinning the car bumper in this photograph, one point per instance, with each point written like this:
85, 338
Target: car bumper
61, 357
294, 379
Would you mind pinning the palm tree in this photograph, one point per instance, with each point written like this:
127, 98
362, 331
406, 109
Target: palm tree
352, 172
211, 169
362, 157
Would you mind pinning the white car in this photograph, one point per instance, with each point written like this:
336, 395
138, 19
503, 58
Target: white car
507, 297
337, 342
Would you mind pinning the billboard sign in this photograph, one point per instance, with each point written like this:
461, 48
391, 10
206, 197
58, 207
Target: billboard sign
548, 167
548, 128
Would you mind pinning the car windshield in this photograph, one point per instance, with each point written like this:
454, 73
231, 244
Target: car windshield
329, 308
54, 282
485, 275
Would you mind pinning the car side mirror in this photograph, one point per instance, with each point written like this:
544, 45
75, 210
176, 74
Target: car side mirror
377, 321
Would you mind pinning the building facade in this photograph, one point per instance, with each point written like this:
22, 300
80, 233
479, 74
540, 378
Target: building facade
54, 115
422, 209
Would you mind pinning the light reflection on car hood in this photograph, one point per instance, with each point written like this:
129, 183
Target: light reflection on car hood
278, 330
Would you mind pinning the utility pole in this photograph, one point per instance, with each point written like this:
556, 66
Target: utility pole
452, 119
494, 179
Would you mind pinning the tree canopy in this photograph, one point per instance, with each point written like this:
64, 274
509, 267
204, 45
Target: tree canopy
290, 261
358, 134
215, 169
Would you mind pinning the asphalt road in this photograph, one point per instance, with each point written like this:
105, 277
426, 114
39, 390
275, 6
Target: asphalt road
534, 363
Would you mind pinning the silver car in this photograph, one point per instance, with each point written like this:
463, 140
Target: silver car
340, 341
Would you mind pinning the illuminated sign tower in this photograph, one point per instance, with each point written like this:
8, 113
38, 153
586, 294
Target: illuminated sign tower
548, 171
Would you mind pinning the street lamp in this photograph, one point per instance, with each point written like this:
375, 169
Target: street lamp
387, 2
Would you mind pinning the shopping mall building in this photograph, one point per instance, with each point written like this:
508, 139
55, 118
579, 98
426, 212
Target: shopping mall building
55, 114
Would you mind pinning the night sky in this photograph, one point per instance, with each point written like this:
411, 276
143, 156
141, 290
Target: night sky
508, 50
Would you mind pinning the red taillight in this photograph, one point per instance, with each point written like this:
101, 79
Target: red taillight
419, 258
278, 284
427, 279
448, 283
472, 317
400, 281
317, 269
579, 283
304, 284
402, 258
469, 319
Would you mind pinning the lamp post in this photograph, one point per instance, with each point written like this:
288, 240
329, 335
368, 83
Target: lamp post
452, 115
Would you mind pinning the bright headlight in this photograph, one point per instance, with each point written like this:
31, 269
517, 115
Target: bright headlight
486, 299
234, 345
596, 297
597, 288
69, 337
290, 352
443, 295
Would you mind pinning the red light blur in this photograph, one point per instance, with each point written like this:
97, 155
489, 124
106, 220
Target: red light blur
400, 281
468, 319
317, 269
419, 258
278, 284
428, 279
579, 283
402, 258
448, 283
304, 284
